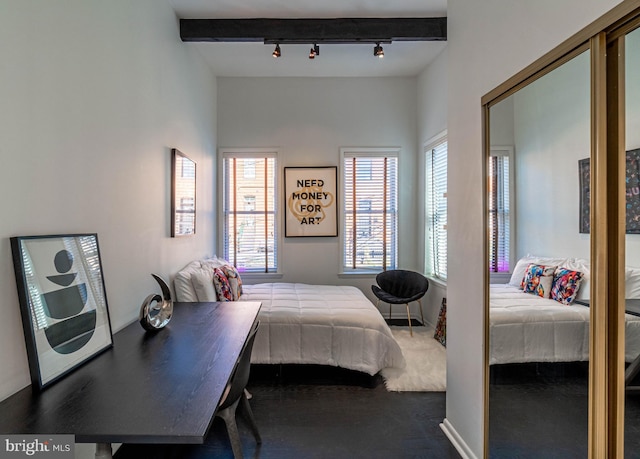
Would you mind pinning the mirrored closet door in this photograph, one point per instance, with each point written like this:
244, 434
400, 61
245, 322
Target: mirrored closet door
539, 254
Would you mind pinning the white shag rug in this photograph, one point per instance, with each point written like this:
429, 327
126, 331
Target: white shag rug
426, 358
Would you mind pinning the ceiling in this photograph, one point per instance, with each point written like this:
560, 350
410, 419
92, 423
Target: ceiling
335, 60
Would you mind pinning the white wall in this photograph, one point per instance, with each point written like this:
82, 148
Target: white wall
94, 96
553, 132
309, 120
488, 42
432, 120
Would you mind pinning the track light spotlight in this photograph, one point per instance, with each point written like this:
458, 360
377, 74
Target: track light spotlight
378, 51
315, 51
277, 52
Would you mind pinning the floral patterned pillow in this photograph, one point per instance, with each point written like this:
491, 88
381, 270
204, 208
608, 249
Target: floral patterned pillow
235, 282
221, 283
565, 285
538, 280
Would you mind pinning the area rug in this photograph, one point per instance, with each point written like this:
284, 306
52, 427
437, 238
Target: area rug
426, 358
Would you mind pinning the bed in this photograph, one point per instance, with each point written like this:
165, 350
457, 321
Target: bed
306, 324
527, 328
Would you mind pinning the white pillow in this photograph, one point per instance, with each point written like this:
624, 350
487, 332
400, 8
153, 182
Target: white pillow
203, 285
632, 282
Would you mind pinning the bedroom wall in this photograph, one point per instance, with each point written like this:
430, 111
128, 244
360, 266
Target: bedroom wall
552, 132
432, 120
309, 120
94, 96
488, 42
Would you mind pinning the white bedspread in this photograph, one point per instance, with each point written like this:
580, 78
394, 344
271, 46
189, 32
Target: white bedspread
306, 324
321, 324
527, 328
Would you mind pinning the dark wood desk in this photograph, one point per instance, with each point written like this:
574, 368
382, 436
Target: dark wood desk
149, 388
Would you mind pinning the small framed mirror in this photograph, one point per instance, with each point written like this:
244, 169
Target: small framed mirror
183, 194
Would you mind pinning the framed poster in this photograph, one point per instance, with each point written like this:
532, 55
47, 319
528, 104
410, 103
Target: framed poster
183, 194
62, 302
310, 201
632, 186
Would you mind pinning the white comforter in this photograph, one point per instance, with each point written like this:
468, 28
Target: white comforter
307, 324
321, 324
527, 328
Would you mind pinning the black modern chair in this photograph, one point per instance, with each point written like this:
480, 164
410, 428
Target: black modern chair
236, 394
398, 286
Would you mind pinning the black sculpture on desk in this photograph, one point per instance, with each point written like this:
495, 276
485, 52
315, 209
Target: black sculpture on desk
76, 330
156, 310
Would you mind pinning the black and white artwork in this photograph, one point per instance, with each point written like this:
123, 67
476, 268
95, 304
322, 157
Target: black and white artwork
63, 302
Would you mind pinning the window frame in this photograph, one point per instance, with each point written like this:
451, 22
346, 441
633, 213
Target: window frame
366, 152
429, 146
249, 153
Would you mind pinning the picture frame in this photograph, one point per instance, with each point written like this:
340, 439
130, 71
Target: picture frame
632, 186
311, 201
63, 303
183, 194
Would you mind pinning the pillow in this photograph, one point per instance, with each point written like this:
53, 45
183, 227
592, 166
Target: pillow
203, 286
538, 280
235, 282
632, 282
517, 275
581, 265
221, 283
565, 285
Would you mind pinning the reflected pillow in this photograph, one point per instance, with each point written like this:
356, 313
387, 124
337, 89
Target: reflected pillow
538, 280
221, 283
565, 285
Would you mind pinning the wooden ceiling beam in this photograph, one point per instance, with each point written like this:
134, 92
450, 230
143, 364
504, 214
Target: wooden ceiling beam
342, 30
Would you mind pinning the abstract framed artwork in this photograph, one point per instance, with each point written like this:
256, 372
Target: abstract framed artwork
310, 201
183, 194
63, 303
632, 189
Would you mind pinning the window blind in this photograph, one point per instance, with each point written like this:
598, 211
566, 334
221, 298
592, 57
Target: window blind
370, 211
249, 207
437, 210
499, 214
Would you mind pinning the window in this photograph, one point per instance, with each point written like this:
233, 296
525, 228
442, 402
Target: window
249, 210
500, 209
436, 212
370, 218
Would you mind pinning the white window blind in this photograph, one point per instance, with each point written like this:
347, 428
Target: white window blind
436, 175
370, 203
249, 208
499, 213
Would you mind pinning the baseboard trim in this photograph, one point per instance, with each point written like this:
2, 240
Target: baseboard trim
456, 440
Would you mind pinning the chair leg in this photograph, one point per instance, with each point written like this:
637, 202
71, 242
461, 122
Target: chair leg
421, 313
246, 406
409, 316
228, 415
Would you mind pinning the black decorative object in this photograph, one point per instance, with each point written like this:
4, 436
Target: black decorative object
632, 187
156, 310
63, 303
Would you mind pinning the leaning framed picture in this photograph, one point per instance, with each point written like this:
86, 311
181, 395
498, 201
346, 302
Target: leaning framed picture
310, 201
63, 303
